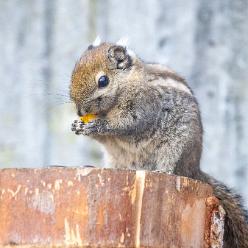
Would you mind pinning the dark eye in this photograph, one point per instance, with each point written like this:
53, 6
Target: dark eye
103, 81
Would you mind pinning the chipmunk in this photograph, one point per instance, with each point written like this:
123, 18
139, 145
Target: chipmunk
147, 117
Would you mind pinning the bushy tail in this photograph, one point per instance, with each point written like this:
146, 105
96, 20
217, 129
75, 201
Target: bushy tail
236, 220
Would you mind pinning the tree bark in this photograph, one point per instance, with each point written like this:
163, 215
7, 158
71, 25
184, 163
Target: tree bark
88, 207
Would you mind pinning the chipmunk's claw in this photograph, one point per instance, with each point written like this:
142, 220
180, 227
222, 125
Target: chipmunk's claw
77, 126
80, 127
91, 128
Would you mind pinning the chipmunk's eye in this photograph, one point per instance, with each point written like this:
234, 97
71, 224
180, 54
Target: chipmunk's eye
103, 81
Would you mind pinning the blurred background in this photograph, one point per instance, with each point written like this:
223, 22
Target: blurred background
40, 40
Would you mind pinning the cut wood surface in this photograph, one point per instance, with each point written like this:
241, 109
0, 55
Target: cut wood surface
88, 207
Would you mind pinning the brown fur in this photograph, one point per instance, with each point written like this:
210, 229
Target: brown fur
149, 116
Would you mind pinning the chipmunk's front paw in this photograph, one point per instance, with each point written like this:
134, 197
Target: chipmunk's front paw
77, 127
97, 126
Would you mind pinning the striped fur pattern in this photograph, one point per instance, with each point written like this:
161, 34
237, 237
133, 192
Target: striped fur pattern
148, 118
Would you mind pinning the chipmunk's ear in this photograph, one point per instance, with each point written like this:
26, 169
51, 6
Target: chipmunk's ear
123, 41
96, 43
119, 57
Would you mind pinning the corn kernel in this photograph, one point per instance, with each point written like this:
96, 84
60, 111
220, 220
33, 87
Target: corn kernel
87, 118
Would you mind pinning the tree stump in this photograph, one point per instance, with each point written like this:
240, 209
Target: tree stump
88, 207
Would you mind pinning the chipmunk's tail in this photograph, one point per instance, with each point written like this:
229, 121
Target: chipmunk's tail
236, 220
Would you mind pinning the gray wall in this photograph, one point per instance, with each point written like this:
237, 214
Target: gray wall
40, 40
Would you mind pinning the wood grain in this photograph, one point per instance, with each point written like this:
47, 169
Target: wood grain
86, 207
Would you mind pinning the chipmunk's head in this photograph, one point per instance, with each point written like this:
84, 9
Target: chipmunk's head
99, 76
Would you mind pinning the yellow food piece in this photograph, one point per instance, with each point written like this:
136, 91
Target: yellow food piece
87, 118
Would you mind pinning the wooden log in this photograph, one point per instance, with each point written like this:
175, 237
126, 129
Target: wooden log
88, 207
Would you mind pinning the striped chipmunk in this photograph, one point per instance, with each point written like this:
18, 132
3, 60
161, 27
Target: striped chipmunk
147, 117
